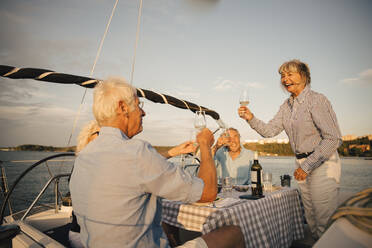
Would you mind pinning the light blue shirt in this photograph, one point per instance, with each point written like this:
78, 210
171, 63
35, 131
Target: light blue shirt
115, 189
239, 168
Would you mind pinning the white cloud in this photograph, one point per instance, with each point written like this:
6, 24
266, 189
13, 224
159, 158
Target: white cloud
227, 84
22, 93
32, 113
12, 17
364, 77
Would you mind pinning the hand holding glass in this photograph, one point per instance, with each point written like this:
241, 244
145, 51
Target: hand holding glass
199, 122
223, 139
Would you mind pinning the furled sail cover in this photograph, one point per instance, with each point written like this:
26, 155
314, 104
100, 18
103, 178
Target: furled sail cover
62, 78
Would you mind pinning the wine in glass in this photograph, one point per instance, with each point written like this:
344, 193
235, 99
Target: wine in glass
199, 122
244, 98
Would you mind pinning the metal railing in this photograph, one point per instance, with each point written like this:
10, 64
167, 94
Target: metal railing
56, 202
53, 178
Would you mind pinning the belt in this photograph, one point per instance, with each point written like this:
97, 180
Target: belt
303, 155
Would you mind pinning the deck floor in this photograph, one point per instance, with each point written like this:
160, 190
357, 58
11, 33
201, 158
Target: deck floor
306, 242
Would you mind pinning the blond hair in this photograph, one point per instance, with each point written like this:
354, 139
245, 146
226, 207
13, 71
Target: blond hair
108, 94
85, 135
296, 65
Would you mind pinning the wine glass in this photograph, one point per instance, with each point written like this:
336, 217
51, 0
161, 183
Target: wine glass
225, 131
227, 186
244, 98
267, 181
200, 122
225, 136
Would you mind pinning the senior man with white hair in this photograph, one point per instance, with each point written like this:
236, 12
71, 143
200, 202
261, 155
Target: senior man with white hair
117, 181
231, 158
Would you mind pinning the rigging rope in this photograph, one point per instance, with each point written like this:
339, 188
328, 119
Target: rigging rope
136, 43
91, 72
87, 82
357, 210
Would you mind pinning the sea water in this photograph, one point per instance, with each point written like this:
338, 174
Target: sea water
356, 174
16, 162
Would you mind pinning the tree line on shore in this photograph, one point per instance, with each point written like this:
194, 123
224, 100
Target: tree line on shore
41, 148
359, 147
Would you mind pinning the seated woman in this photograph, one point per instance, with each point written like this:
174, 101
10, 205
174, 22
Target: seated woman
87, 134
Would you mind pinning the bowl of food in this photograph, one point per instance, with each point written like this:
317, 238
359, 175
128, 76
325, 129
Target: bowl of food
242, 188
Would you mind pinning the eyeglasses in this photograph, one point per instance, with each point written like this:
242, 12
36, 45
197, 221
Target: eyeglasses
140, 104
95, 133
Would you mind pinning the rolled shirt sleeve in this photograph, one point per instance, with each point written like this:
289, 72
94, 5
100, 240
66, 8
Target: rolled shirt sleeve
165, 179
325, 120
270, 129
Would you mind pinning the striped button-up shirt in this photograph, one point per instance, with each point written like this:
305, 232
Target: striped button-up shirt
311, 126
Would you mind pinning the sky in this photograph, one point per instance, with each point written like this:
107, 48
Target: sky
203, 51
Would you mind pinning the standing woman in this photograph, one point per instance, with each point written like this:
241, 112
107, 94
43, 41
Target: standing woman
311, 125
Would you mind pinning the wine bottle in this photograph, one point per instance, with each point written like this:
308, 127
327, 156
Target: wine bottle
256, 177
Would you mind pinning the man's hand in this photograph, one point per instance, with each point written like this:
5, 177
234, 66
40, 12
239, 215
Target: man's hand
205, 137
184, 148
300, 174
245, 113
222, 140
207, 170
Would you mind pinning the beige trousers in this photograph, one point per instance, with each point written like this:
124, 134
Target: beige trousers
319, 193
194, 243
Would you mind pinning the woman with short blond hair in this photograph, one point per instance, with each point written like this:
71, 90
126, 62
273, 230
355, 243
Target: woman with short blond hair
311, 125
88, 133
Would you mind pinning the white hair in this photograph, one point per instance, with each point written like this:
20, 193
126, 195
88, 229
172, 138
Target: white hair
85, 135
234, 129
108, 94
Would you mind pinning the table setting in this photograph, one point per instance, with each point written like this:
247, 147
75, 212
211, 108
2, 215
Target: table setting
274, 220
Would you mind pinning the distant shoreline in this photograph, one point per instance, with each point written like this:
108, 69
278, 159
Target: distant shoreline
267, 150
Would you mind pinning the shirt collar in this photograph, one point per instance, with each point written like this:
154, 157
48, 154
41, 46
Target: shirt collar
112, 131
301, 97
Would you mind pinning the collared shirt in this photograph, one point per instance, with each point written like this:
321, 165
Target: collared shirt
239, 168
311, 125
115, 189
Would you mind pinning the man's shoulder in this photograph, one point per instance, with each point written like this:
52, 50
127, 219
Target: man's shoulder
117, 145
314, 95
247, 152
316, 99
221, 151
138, 142
139, 146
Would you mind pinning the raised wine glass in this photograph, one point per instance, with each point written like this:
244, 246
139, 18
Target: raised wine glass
200, 122
244, 98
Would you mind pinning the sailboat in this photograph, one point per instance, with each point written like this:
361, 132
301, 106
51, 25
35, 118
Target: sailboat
47, 225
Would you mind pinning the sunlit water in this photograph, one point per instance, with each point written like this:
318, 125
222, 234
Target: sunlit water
356, 174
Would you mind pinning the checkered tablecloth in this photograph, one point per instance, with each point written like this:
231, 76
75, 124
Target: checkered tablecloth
273, 221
